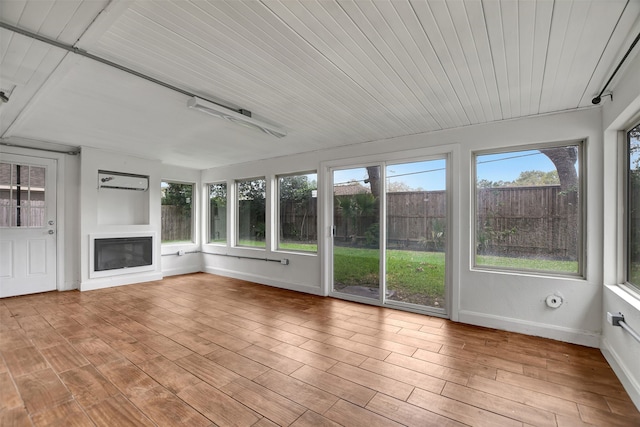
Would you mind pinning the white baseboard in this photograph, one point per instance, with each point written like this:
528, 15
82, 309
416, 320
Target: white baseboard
623, 373
181, 270
110, 282
264, 280
574, 336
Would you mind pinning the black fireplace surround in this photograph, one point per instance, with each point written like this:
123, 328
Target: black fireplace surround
122, 252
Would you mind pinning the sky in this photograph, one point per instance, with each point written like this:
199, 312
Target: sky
507, 166
430, 175
427, 175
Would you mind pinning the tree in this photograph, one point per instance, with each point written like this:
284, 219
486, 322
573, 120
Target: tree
252, 209
297, 188
176, 212
374, 180
296, 194
179, 195
536, 178
564, 159
218, 212
485, 183
400, 187
525, 179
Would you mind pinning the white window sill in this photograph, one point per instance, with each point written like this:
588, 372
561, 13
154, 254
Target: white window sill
629, 295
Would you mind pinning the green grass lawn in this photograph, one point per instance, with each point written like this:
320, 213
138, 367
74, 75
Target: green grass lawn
252, 243
419, 276
544, 265
305, 247
409, 273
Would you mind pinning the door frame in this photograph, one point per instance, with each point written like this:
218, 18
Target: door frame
452, 153
61, 177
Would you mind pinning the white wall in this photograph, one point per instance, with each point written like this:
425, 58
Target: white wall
303, 271
620, 349
504, 300
94, 222
516, 302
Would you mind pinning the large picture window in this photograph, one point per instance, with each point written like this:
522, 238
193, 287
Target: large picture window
251, 198
298, 212
529, 210
177, 212
633, 207
217, 227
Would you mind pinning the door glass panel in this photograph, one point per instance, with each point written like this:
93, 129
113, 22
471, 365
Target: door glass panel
356, 244
416, 211
5, 195
36, 197
22, 195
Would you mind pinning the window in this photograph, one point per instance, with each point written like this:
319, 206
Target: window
633, 207
298, 212
251, 212
22, 198
217, 213
177, 212
528, 210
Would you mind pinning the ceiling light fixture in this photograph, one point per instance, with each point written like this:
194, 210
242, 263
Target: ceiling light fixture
242, 118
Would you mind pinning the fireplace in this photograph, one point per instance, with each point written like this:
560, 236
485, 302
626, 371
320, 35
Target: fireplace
121, 255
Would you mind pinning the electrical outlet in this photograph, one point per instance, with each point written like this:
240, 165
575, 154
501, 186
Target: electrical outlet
614, 319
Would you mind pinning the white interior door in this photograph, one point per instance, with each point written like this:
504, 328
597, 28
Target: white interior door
28, 225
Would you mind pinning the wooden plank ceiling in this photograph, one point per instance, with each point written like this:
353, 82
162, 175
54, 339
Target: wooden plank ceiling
330, 72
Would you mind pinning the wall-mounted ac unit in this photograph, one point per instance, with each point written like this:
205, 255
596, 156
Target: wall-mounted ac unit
122, 181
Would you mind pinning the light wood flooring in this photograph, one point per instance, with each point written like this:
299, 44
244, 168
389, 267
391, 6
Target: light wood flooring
203, 350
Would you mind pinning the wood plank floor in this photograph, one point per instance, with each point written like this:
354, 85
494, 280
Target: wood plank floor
204, 350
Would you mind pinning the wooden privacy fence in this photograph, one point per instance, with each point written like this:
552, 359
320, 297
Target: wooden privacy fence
299, 220
176, 224
532, 221
515, 221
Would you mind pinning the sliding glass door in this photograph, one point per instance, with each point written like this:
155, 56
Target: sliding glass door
416, 214
390, 234
356, 232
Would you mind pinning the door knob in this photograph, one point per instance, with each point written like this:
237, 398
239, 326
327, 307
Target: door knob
51, 222
51, 231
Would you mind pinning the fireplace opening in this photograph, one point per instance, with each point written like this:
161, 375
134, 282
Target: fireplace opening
122, 252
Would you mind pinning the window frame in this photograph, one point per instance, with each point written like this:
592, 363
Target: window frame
207, 187
193, 213
582, 209
630, 287
277, 213
237, 212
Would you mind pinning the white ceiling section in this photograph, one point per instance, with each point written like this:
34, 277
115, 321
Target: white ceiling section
329, 72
